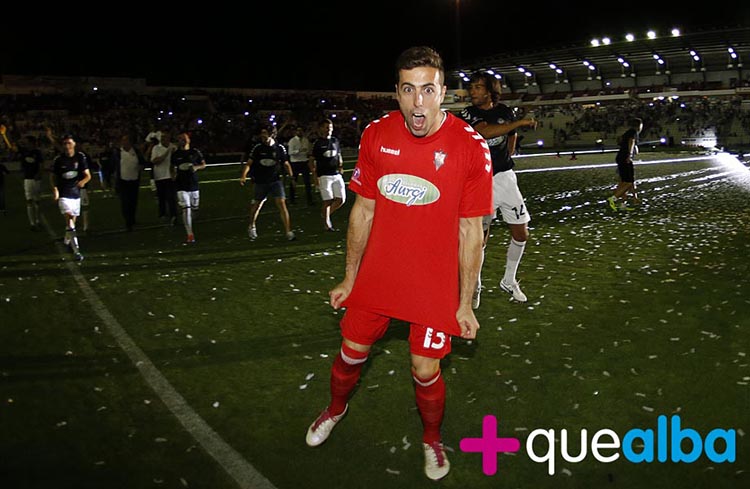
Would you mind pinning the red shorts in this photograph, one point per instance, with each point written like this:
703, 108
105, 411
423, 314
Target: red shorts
366, 328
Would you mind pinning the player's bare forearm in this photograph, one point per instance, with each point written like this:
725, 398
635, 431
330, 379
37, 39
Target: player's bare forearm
358, 233
470, 239
245, 171
496, 130
360, 224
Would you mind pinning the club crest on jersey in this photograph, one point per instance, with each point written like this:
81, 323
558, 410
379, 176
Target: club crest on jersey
408, 189
439, 159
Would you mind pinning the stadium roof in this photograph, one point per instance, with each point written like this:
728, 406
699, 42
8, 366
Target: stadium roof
712, 49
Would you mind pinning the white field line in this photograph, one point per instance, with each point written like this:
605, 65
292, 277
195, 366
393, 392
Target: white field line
239, 469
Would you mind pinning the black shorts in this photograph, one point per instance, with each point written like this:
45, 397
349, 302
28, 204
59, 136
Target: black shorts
626, 172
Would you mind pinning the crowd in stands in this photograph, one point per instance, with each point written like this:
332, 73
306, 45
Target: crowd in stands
222, 122
663, 118
225, 122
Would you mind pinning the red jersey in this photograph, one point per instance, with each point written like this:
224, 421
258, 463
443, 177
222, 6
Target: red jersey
421, 187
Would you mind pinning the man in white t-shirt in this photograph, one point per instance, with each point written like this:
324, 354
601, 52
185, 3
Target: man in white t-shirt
128, 163
299, 150
161, 159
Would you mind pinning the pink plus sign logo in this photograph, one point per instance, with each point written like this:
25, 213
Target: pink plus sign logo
490, 445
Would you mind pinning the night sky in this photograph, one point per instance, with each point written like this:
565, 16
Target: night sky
312, 45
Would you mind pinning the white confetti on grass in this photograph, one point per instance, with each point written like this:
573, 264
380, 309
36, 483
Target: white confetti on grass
648, 408
392, 472
160, 439
405, 442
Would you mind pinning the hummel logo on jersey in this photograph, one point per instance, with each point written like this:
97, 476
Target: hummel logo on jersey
439, 159
394, 152
488, 167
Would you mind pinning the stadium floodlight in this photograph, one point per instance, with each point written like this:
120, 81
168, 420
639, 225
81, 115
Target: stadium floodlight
606, 41
595, 42
651, 34
540, 142
491, 72
462, 74
199, 121
675, 32
96, 89
553, 66
629, 37
522, 69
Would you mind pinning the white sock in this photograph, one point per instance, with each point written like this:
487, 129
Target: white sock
70, 236
30, 213
515, 252
187, 218
85, 214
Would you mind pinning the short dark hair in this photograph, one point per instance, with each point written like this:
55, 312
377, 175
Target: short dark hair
492, 84
68, 136
417, 57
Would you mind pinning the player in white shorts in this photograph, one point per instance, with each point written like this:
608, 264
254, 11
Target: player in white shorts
327, 164
70, 173
186, 161
31, 165
497, 124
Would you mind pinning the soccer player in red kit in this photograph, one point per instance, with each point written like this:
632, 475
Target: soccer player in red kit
423, 181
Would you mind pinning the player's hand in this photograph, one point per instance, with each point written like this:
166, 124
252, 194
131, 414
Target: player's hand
467, 322
242, 181
339, 294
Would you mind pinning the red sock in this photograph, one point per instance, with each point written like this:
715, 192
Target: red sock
344, 376
431, 403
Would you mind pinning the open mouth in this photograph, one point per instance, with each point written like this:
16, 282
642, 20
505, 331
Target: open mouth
418, 121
